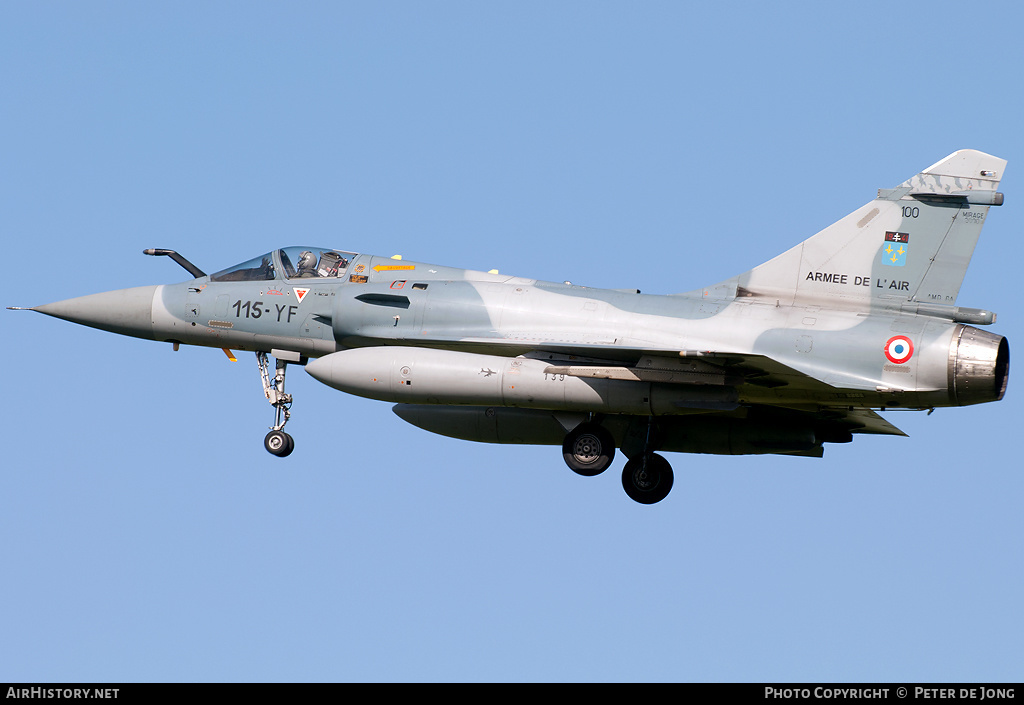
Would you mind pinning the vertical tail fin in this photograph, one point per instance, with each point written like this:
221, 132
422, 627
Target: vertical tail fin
913, 243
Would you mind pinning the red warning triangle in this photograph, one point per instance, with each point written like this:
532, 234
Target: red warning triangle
300, 292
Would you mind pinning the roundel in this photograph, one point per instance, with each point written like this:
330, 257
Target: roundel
898, 349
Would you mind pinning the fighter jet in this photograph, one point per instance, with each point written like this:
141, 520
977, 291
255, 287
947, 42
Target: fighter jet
795, 353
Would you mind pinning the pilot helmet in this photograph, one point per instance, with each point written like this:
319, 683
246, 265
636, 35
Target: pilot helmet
307, 261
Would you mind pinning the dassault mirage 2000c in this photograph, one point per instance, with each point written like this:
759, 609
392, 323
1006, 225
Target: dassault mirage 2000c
797, 352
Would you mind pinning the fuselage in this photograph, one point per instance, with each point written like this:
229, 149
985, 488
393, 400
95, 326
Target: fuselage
792, 354
879, 358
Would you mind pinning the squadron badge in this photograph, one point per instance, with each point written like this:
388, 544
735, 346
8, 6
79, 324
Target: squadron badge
894, 254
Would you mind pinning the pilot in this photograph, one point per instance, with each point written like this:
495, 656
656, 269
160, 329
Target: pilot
307, 264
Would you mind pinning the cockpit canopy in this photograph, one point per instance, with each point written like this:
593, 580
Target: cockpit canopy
289, 263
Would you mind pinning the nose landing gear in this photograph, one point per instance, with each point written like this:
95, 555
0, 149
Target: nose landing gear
277, 442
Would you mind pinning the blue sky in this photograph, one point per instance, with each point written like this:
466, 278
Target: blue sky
147, 536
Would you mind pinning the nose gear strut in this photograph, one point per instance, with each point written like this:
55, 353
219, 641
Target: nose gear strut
277, 442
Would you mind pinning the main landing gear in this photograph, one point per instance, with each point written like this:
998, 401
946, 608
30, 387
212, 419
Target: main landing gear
277, 442
588, 449
647, 477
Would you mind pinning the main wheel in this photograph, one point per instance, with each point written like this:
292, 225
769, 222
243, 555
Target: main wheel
279, 443
588, 449
647, 478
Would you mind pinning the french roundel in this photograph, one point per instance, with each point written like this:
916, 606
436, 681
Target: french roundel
898, 349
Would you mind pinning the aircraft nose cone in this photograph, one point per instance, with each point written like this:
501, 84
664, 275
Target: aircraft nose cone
125, 311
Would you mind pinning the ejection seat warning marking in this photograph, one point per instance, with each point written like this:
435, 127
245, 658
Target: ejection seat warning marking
300, 292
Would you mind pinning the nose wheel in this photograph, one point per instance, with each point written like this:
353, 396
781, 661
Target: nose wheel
277, 442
